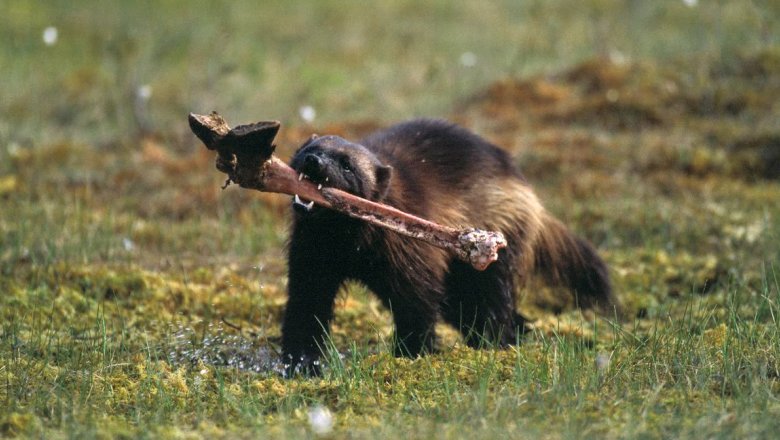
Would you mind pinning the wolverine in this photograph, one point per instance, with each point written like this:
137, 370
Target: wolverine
447, 174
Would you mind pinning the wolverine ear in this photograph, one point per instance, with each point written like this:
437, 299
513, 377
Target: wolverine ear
311, 139
382, 176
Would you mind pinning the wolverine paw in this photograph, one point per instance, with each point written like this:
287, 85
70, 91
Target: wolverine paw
303, 365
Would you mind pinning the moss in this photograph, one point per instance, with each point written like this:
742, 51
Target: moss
15, 424
140, 300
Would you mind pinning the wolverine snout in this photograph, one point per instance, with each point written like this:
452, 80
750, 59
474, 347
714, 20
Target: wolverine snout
312, 160
313, 166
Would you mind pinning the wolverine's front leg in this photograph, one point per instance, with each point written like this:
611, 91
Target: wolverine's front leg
312, 287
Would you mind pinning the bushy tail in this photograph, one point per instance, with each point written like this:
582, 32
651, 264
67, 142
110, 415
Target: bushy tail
566, 260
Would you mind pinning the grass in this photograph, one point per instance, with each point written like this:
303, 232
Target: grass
139, 300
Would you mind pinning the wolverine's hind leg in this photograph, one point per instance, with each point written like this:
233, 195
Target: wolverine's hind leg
481, 303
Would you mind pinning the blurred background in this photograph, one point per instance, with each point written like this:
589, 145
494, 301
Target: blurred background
105, 71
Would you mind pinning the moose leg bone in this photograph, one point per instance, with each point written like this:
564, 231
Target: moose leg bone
245, 154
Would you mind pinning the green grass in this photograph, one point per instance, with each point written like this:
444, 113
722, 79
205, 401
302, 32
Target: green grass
137, 299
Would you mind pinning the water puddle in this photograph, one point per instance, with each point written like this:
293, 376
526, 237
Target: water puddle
217, 345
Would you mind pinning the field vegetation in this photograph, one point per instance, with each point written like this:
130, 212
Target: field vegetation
138, 299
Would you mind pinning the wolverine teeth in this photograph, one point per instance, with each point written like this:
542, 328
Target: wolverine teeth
308, 206
300, 177
319, 187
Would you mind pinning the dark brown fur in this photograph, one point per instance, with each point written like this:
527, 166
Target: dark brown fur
449, 175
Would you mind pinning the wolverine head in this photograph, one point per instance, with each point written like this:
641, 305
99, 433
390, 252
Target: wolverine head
337, 163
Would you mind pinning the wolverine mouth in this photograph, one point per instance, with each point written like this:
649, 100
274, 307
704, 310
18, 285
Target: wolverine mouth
304, 206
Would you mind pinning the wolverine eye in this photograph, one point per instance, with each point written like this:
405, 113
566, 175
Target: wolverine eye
345, 165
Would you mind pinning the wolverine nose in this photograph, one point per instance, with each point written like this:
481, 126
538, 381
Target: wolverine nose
312, 164
312, 160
